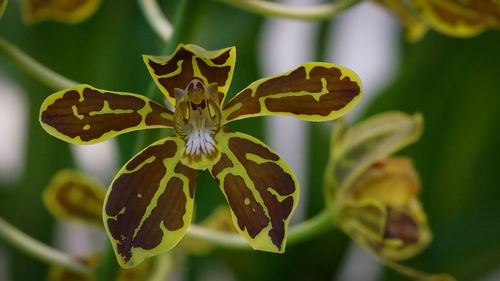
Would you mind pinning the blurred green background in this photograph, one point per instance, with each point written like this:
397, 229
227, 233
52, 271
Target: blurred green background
455, 83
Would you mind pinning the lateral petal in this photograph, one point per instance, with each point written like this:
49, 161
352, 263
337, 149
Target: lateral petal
149, 204
87, 115
260, 188
314, 91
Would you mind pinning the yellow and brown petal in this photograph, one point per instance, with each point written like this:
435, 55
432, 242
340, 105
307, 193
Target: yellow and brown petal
149, 204
75, 196
87, 115
314, 91
260, 188
189, 62
66, 11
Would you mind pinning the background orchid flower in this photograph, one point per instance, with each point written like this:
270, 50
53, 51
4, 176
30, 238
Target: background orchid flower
374, 197
452, 17
66, 11
3, 4
149, 203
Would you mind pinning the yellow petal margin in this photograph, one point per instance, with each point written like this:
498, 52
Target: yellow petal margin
87, 115
188, 62
66, 11
72, 195
149, 205
314, 91
3, 4
260, 188
460, 18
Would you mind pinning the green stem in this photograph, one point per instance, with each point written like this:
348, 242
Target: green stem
158, 22
40, 72
38, 250
297, 233
312, 13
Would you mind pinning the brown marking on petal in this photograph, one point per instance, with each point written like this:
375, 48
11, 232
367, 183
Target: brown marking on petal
223, 163
249, 105
60, 114
267, 175
221, 59
169, 210
155, 117
124, 190
190, 174
401, 226
340, 93
250, 216
78, 200
214, 74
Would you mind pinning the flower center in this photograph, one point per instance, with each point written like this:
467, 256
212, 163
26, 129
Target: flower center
197, 117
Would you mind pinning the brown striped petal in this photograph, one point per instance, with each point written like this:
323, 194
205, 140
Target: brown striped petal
189, 62
314, 91
149, 204
260, 188
86, 115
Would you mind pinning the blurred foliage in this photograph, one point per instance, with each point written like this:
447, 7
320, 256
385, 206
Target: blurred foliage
453, 82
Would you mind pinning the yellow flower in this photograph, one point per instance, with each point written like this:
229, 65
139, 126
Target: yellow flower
149, 204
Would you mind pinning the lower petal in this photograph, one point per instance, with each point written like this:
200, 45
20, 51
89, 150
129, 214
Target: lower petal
260, 188
149, 204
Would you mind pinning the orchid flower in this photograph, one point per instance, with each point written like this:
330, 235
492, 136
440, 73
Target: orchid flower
149, 204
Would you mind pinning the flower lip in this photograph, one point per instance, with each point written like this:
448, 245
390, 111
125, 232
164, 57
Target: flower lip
197, 120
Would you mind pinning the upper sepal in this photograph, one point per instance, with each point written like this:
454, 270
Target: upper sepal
260, 188
86, 115
189, 62
72, 195
149, 204
314, 91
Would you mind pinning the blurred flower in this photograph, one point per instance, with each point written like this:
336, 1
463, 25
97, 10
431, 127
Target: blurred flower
381, 210
459, 18
3, 3
66, 11
374, 197
149, 204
